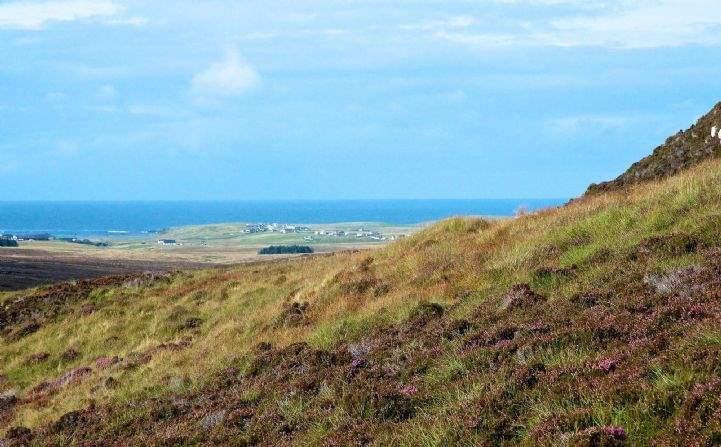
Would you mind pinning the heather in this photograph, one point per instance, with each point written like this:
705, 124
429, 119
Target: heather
591, 324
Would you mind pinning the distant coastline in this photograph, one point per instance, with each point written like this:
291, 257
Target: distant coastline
140, 219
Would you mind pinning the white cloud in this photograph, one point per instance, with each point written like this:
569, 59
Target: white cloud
593, 124
457, 22
612, 24
131, 21
479, 39
666, 23
33, 14
295, 34
231, 76
156, 110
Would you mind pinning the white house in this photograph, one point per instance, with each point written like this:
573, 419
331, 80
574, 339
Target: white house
713, 132
167, 242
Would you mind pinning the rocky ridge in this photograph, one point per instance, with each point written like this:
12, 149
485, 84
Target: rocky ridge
683, 150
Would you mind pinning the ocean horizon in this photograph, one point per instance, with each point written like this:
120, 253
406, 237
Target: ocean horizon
123, 219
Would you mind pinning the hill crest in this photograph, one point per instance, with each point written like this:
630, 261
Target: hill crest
681, 151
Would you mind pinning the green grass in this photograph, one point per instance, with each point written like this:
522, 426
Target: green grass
461, 257
232, 234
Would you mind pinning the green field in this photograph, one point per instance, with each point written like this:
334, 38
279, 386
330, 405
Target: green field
232, 235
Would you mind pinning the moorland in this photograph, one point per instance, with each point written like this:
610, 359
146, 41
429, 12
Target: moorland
591, 324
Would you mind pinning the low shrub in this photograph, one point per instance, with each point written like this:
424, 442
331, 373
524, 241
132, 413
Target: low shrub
285, 250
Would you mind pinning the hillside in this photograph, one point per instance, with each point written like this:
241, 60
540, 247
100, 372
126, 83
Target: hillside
592, 324
681, 151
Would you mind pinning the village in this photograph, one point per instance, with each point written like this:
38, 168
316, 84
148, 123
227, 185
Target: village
360, 233
324, 234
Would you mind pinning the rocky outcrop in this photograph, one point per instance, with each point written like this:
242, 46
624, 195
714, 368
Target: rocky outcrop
683, 150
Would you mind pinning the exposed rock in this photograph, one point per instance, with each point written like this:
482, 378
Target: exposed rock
212, 420
359, 349
674, 282
524, 354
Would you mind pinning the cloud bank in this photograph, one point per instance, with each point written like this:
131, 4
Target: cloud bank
632, 24
34, 15
232, 76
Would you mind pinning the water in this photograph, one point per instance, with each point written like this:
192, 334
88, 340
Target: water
125, 219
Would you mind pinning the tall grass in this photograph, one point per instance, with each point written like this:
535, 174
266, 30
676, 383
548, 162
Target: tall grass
224, 314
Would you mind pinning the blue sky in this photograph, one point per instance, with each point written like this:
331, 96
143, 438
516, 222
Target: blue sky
337, 99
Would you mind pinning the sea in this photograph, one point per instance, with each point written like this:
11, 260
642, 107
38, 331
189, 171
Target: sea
133, 219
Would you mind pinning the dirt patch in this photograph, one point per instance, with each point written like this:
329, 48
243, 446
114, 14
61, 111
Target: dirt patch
23, 268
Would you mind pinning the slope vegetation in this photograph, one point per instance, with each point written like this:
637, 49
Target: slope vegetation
592, 324
681, 151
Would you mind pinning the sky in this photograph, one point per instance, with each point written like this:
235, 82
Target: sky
343, 99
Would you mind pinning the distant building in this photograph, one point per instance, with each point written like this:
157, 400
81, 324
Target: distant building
713, 132
167, 242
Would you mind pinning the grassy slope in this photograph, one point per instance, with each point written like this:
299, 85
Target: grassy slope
178, 336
